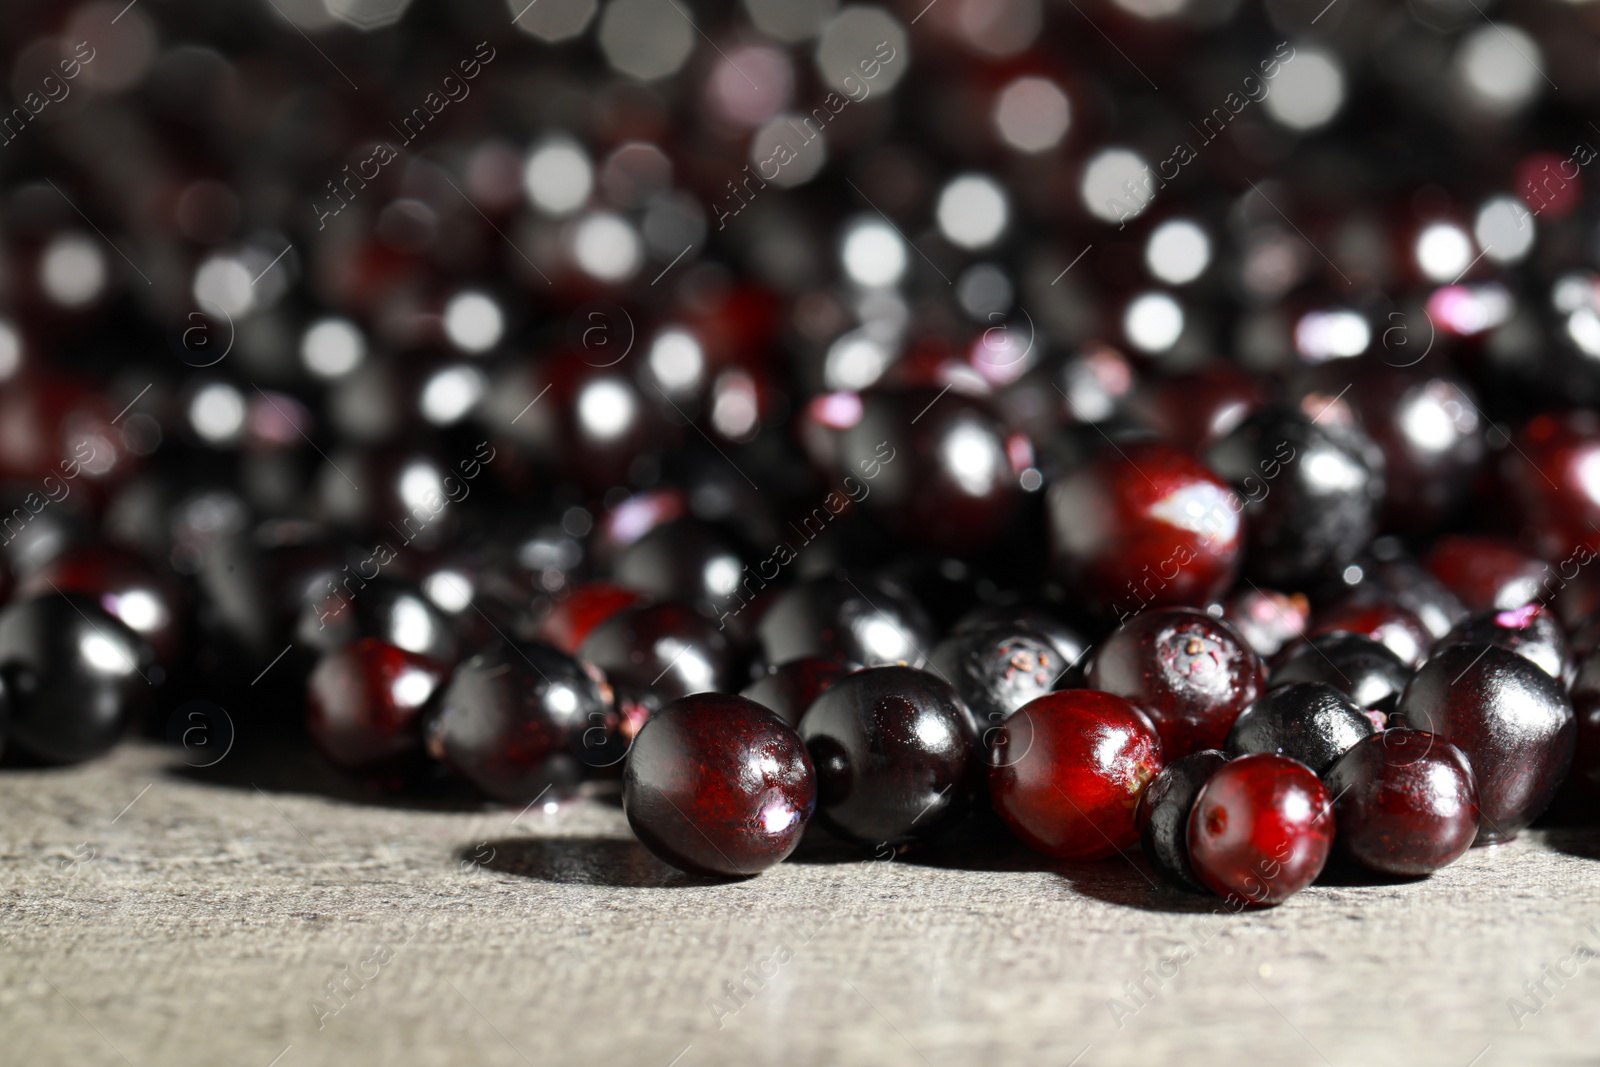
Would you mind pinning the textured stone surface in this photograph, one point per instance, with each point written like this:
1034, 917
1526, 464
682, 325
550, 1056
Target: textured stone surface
203, 923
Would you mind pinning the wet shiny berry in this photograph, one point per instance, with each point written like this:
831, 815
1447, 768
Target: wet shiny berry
1310, 722
1189, 672
520, 717
1531, 631
791, 688
1405, 801
718, 785
1396, 628
1067, 771
1359, 667
1145, 526
671, 648
866, 620
570, 621
1311, 492
75, 676
1488, 573
1511, 720
365, 704
896, 756
1163, 814
1260, 830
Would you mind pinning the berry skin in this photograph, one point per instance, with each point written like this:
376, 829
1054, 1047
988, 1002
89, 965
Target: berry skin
1189, 672
791, 688
519, 718
1311, 489
365, 703
1146, 526
997, 669
718, 785
896, 755
1359, 667
1309, 722
1163, 814
1487, 573
1405, 801
1510, 719
1067, 772
1260, 830
671, 648
75, 676
1530, 631
871, 621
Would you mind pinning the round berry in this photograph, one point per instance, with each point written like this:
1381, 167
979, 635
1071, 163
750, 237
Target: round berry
1067, 770
1511, 720
1530, 631
1359, 667
896, 755
718, 785
1405, 801
1310, 722
1260, 830
1145, 526
791, 688
1189, 672
1163, 814
997, 669
365, 701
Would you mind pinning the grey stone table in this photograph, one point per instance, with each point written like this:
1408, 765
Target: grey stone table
266, 912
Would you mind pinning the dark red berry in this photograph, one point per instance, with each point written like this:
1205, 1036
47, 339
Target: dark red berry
1405, 801
1487, 573
1549, 478
668, 647
1067, 770
1530, 631
1163, 814
1191, 409
365, 703
719, 785
896, 756
1359, 667
791, 688
1586, 705
1309, 722
571, 621
1188, 671
936, 467
1385, 622
1145, 526
519, 718
1511, 720
1267, 620
1260, 830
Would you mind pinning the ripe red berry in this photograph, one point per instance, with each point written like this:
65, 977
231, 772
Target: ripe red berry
1067, 770
1261, 829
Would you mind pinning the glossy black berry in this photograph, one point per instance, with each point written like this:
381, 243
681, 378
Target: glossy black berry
1311, 722
791, 688
1163, 814
866, 620
997, 669
896, 756
1359, 667
75, 676
671, 648
1311, 490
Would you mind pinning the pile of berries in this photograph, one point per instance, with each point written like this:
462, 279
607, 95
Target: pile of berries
799, 411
